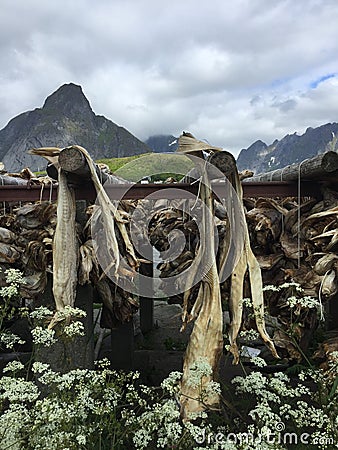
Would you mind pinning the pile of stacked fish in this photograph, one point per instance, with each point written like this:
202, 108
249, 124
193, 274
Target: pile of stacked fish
26, 234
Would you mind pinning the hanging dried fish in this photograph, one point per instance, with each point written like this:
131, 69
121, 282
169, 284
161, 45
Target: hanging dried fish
206, 339
247, 261
65, 247
109, 214
88, 267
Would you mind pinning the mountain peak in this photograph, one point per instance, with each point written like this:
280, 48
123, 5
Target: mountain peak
66, 118
292, 148
68, 99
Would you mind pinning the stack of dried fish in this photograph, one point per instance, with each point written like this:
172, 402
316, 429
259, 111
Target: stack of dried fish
162, 224
24, 177
296, 244
26, 235
302, 241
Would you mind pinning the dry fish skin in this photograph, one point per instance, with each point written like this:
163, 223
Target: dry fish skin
65, 247
248, 261
35, 215
9, 253
236, 304
33, 284
7, 236
329, 285
325, 263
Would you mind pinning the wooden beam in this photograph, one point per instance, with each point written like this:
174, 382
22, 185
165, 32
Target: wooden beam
34, 193
320, 167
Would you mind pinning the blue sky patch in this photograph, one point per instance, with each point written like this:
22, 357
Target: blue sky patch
315, 83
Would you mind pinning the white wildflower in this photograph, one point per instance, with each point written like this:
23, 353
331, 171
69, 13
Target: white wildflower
13, 276
248, 335
70, 313
142, 438
9, 291
39, 367
247, 302
211, 388
43, 336
171, 383
304, 302
258, 361
9, 340
73, 329
199, 369
103, 363
81, 439
18, 390
293, 284
271, 287
41, 313
254, 382
13, 366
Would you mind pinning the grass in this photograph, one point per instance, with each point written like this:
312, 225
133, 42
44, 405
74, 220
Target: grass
157, 166
115, 164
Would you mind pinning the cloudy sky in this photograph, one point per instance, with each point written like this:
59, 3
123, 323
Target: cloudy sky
228, 71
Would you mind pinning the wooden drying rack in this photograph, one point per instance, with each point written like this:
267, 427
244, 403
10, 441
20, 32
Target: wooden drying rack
31, 193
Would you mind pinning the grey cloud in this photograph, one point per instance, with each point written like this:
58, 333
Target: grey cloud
285, 106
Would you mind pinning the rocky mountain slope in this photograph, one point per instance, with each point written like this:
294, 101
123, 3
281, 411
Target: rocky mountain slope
66, 118
293, 148
162, 143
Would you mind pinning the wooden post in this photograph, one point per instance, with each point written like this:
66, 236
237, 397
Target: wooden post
73, 162
122, 346
147, 302
79, 352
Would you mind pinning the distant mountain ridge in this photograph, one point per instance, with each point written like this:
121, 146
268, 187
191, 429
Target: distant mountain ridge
293, 148
66, 118
162, 143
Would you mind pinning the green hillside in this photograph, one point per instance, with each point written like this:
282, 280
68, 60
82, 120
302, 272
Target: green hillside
158, 166
115, 164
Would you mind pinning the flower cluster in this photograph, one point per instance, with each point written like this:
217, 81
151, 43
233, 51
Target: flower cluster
43, 336
41, 313
304, 302
53, 325
9, 340
86, 408
197, 371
